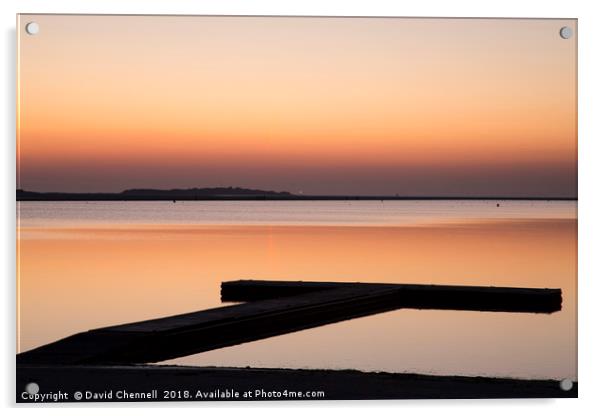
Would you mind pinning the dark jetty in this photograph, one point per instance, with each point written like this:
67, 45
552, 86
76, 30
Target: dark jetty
275, 308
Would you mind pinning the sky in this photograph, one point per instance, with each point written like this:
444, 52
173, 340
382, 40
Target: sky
331, 106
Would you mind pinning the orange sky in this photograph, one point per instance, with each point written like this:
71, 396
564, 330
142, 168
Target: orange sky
319, 105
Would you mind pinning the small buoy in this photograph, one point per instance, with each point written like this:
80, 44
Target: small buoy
497, 205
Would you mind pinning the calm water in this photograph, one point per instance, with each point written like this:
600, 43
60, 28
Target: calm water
85, 265
345, 213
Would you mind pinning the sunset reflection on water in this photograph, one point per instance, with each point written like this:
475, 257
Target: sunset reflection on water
74, 278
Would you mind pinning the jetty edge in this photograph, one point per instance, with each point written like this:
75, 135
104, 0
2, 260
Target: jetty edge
219, 383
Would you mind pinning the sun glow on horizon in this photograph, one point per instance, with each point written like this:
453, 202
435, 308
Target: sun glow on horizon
328, 105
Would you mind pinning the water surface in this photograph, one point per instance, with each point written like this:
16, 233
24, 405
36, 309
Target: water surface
86, 265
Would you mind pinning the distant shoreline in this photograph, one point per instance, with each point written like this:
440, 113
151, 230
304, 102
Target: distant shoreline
242, 194
117, 198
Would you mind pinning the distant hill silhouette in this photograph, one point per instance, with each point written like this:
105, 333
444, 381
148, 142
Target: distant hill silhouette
156, 194
194, 192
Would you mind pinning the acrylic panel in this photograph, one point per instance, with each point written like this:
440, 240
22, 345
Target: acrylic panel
277, 208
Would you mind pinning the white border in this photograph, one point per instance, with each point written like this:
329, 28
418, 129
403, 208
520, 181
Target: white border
590, 177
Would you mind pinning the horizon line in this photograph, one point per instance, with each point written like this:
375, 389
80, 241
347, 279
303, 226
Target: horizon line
257, 195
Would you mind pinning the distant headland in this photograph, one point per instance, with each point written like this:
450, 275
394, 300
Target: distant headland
239, 194
147, 194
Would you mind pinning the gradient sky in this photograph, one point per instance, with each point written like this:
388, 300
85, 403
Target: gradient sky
460, 107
